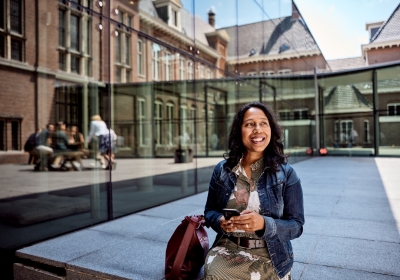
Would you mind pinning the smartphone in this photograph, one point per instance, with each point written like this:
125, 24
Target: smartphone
228, 213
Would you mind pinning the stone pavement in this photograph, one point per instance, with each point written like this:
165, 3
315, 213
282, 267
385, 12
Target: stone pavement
352, 209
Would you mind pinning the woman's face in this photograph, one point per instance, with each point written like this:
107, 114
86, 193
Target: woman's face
256, 132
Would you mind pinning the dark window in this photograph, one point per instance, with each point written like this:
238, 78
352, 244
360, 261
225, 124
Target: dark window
284, 115
61, 61
373, 31
393, 110
75, 64
61, 28
2, 16
16, 15
366, 131
76, 4
15, 136
300, 114
2, 135
75, 32
68, 104
2, 46
16, 49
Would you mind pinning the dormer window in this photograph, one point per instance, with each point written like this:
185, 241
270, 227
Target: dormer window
174, 17
283, 47
373, 28
169, 12
373, 32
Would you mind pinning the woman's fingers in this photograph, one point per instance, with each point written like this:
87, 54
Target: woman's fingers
249, 221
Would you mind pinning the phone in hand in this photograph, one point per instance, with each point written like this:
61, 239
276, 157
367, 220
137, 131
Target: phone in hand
228, 213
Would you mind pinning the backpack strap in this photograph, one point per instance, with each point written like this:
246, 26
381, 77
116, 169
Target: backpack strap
183, 248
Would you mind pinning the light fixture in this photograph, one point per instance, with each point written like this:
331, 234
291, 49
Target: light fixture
100, 3
131, 2
99, 26
115, 33
323, 151
115, 11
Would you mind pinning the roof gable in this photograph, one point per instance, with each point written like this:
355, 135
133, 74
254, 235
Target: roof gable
390, 30
270, 37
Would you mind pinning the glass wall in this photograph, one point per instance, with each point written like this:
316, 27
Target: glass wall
388, 111
167, 77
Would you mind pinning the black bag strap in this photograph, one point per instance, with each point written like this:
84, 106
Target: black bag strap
183, 248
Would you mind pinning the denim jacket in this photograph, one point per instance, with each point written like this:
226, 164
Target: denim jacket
281, 205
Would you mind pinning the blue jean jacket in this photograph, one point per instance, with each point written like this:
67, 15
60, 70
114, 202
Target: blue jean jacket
281, 205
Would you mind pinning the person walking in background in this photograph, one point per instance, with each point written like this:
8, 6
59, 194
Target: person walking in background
107, 148
98, 128
256, 180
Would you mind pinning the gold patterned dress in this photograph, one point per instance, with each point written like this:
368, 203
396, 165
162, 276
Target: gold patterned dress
227, 260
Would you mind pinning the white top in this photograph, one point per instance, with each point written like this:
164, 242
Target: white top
97, 128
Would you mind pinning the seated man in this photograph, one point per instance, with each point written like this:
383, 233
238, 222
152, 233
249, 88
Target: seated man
43, 149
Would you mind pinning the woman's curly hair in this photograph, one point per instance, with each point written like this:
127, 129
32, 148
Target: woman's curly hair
273, 154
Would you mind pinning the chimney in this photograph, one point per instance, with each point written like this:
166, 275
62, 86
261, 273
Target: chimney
295, 12
211, 17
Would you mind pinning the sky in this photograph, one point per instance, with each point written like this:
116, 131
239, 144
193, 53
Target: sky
338, 26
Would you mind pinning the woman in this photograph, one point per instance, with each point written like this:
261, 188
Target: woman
255, 179
97, 134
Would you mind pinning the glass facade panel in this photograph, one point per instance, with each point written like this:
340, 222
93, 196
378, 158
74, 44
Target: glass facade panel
347, 108
167, 77
388, 103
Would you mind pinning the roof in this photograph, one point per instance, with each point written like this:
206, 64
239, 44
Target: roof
187, 22
346, 63
148, 7
346, 97
202, 27
270, 37
390, 30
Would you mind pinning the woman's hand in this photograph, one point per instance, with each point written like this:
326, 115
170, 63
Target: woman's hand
226, 225
248, 221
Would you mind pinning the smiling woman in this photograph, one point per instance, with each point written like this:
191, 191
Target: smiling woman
256, 180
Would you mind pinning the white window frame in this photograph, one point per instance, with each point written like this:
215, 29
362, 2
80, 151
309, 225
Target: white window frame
9, 35
123, 47
158, 110
155, 65
202, 72
140, 64
284, 72
190, 70
252, 74
267, 73
167, 66
81, 55
170, 122
192, 116
347, 131
142, 121
182, 69
209, 74
367, 138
